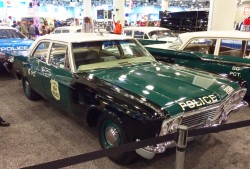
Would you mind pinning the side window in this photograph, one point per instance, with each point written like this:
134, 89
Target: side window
57, 31
203, 45
65, 31
138, 34
59, 56
237, 48
41, 51
128, 32
3, 34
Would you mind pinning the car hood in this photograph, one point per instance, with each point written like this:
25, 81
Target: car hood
15, 44
168, 86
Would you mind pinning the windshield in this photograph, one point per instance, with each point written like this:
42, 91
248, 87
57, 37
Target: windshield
161, 34
10, 33
176, 44
111, 53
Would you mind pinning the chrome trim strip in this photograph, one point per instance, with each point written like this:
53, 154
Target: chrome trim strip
229, 62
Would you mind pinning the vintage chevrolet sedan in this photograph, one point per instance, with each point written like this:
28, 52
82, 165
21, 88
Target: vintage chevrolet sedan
111, 82
221, 52
11, 40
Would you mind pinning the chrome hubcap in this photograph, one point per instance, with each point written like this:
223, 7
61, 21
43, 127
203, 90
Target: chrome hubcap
112, 136
27, 87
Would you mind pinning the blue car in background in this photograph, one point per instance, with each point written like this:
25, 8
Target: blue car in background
11, 40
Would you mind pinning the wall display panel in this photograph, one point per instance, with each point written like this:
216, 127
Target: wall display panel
104, 14
186, 21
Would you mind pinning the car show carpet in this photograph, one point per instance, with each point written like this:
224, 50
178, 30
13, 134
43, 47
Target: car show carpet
41, 133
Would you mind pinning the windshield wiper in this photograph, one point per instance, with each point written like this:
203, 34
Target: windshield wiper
125, 63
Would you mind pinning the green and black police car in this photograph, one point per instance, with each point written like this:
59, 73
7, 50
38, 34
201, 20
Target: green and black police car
112, 82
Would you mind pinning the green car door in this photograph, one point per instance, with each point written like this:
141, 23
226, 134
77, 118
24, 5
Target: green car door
36, 66
56, 80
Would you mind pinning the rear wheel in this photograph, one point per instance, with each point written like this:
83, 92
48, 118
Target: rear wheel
111, 134
29, 92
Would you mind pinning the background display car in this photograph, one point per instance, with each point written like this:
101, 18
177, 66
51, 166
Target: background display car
75, 29
11, 40
68, 29
111, 82
222, 52
150, 35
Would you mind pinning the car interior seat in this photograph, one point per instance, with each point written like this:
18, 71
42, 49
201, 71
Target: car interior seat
86, 57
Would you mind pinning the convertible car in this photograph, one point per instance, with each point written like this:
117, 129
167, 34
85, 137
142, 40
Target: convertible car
221, 52
111, 82
11, 40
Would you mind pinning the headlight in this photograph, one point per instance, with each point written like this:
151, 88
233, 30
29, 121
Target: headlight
2, 55
11, 59
170, 126
174, 125
243, 93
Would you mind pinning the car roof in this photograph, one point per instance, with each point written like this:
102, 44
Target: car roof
145, 29
216, 34
82, 37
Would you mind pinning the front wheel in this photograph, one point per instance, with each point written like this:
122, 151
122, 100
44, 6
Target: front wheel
111, 134
29, 92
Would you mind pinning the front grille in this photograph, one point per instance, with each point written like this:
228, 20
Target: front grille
198, 119
212, 114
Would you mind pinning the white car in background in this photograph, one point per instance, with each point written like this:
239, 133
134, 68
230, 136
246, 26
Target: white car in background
75, 29
151, 35
68, 29
12, 40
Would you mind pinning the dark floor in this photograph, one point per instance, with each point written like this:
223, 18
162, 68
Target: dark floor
40, 133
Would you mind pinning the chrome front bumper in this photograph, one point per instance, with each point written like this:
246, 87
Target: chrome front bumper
150, 151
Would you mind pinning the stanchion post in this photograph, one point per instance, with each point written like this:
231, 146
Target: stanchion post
181, 147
